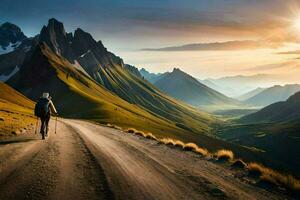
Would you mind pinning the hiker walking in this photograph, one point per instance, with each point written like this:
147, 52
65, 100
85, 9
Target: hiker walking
43, 109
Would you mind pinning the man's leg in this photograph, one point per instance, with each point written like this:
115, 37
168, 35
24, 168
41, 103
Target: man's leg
47, 123
43, 127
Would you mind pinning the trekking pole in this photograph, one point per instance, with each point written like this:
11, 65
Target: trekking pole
55, 124
36, 125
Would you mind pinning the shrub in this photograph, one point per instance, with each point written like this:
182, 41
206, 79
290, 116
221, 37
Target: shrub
224, 155
151, 136
179, 144
140, 133
190, 147
239, 164
255, 169
202, 151
167, 141
131, 130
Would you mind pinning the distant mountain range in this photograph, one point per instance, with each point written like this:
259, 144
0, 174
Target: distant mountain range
235, 86
88, 81
273, 94
151, 77
284, 111
184, 87
250, 94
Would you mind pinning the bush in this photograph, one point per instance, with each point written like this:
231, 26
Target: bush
151, 136
140, 133
179, 144
167, 141
255, 169
224, 155
202, 151
190, 147
131, 130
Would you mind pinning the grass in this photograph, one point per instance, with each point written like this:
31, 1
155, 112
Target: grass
190, 147
265, 174
273, 177
224, 155
16, 112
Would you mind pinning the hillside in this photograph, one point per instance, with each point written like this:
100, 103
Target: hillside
77, 95
273, 94
250, 94
284, 111
16, 111
184, 87
151, 77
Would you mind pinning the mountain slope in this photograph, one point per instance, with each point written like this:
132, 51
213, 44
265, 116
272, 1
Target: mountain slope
234, 86
285, 111
273, 94
92, 58
13, 47
151, 77
16, 112
77, 95
186, 88
250, 94
10, 37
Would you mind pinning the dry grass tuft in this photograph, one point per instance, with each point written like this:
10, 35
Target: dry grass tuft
151, 136
255, 169
273, 177
224, 155
239, 164
113, 126
167, 141
190, 147
179, 144
131, 130
140, 133
202, 151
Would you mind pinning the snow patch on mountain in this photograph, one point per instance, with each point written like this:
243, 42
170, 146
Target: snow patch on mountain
85, 54
11, 47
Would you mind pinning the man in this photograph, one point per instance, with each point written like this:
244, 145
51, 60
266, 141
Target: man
43, 110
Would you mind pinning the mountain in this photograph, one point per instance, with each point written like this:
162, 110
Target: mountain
13, 47
184, 87
151, 77
250, 94
235, 86
284, 111
77, 70
273, 94
10, 37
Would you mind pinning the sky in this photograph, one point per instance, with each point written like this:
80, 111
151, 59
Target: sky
266, 33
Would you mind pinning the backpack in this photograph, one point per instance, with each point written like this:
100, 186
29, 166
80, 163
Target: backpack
42, 107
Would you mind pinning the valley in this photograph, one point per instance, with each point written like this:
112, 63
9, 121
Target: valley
99, 98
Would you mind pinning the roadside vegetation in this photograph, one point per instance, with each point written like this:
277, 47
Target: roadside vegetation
262, 174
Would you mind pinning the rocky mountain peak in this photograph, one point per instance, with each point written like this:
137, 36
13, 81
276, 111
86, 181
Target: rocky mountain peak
10, 33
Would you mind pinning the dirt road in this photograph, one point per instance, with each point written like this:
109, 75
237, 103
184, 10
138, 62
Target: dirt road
87, 161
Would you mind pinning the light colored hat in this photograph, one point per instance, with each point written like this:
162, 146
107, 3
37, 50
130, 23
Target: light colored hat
45, 95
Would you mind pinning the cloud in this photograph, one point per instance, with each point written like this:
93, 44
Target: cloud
296, 52
219, 46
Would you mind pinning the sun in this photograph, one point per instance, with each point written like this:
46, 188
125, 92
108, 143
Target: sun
297, 23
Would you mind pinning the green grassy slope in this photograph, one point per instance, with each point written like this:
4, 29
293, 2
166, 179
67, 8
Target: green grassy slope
77, 95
